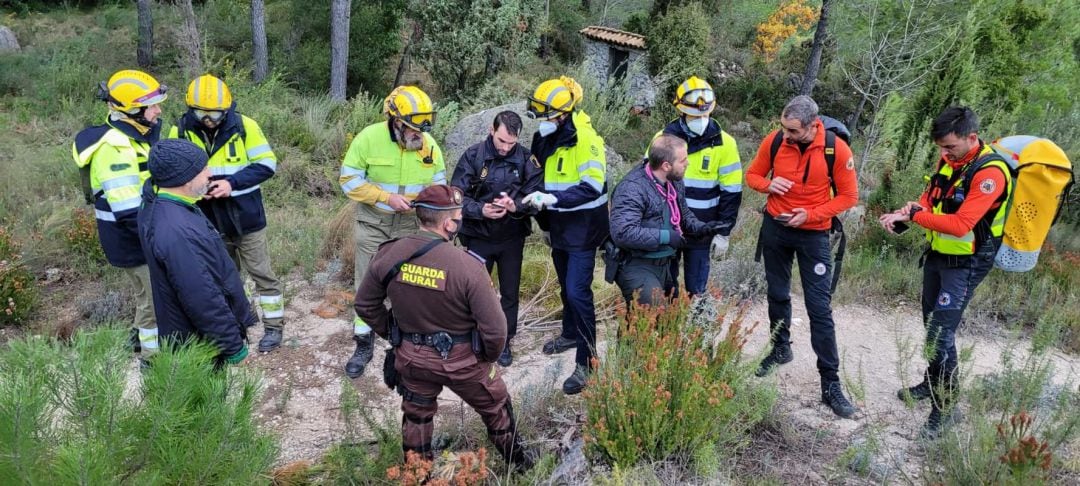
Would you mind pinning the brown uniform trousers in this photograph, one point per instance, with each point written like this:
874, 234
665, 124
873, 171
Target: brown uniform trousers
424, 373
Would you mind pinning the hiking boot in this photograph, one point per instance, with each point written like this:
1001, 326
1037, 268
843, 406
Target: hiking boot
270, 341
576, 382
914, 393
833, 396
133, 341
365, 348
506, 357
520, 457
938, 421
559, 344
780, 354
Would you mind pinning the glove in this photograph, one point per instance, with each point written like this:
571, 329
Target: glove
719, 247
675, 240
715, 227
539, 200
546, 238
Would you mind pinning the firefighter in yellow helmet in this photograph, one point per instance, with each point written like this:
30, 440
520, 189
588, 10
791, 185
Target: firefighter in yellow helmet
112, 161
240, 160
713, 179
386, 166
574, 214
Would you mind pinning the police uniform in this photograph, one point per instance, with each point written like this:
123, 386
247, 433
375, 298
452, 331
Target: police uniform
458, 301
482, 175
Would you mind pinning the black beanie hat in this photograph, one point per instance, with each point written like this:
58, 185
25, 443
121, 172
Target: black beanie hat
175, 162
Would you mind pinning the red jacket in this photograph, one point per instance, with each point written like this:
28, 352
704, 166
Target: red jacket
814, 195
982, 197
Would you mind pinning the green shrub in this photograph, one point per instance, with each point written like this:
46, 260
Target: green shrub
679, 43
18, 289
81, 239
671, 386
65, 417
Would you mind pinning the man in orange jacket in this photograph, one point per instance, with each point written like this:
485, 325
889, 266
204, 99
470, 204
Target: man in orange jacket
803, 200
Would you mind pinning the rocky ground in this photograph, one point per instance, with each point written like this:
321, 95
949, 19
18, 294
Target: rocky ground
304, 379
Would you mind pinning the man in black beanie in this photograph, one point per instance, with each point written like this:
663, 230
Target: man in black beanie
197, 290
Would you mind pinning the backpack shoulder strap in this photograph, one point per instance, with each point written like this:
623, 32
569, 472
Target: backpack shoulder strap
975, 167
394, 270
774, 149
830, 156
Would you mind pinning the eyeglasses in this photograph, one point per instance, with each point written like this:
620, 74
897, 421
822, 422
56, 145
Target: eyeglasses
212, 115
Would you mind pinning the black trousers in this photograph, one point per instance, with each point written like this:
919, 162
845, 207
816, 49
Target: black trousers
651, 278
780, 246
949, 283
508, 255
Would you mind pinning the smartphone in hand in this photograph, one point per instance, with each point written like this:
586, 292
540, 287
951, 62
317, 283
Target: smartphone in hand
784, 217
899, 227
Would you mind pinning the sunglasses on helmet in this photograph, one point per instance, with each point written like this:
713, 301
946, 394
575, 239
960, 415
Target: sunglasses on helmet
539, 111
419, 121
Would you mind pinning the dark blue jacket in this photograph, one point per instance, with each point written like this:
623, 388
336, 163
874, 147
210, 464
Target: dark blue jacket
236, 139
482, 174
640, 219
197, 290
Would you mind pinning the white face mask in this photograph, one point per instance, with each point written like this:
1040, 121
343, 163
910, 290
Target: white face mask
698, 125
547, 127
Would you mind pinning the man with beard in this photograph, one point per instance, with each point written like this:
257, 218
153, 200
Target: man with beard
650, 221
796, 222
387, 165
112, 161
240, 160
197, 289
494, 176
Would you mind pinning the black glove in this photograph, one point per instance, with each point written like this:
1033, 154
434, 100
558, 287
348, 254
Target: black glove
713, 228
675, 240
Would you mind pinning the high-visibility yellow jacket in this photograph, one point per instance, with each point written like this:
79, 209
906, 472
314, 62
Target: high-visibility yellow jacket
575, 173
115, 156
240, 154
376, 166
949, 194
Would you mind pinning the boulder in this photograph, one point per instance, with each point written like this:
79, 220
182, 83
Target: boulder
475, 127
8, 42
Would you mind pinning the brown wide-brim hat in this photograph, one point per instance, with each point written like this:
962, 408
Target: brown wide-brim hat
439, 197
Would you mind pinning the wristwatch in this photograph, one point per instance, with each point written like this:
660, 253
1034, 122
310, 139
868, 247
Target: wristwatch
914, 209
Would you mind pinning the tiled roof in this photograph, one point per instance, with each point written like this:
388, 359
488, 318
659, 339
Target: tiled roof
614, 36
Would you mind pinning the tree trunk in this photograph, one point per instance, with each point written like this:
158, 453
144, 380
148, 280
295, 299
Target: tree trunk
403, 64
258, 40
854, 125
339, 48
145, 51
813, 66
190, 41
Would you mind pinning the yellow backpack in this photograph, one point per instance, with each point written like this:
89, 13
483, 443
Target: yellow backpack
1042, 176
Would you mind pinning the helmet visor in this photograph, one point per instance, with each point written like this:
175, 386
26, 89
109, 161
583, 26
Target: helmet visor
419, 121
698, 102
540, 111
211, 115
152, 98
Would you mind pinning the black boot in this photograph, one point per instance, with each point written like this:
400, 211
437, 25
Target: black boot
507, 356
559, 344
833, 396
271, 340
133, 340
917, 392
943, 412
939, 421
576, 382
365, 348
780, 354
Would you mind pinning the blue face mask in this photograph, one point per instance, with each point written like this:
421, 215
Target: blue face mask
547, 127
698, 125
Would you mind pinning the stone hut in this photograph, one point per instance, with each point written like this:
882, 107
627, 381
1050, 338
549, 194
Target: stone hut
612, 54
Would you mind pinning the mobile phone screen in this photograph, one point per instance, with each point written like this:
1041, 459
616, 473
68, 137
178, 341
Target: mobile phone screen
899, 227
784, 217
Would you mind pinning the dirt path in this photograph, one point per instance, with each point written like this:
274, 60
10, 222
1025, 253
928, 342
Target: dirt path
304, 378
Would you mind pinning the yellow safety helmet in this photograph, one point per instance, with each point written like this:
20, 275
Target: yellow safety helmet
209, 94
695, 97
412, 106
130, 90
554, 97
